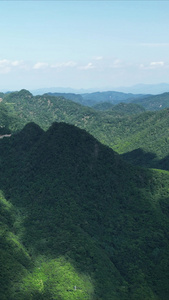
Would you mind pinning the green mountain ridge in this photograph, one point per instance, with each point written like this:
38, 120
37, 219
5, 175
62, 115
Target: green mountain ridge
154, 102
125, 128
110, 96
91, 225
122, 109
148, 102
91, 99
8, 121
45, 109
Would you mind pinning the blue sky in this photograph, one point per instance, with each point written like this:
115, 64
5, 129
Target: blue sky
83, 44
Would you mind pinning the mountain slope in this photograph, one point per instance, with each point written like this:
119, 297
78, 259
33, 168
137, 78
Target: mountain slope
124, 128
122, 109
85, 210
69, 96
44, 110
90, 99
8, 121
144, 140
154, 102
15, 261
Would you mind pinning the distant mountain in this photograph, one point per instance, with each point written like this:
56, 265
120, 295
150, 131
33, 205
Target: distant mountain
103, 106
110, 96
145, 89
77, 222
124, 128
69, 96
149, 102
91, 99
153, 89
61, 90
154, 102
123, 109
135, 89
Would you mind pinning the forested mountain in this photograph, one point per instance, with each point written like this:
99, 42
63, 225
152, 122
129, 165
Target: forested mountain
149, 102
120, 109
44, 109
103, 106
146, 137
78, 222
90, 99
154, 102
125, 127
70, 96
110, 96
8, 121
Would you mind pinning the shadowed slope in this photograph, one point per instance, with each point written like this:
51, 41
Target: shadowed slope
80, 201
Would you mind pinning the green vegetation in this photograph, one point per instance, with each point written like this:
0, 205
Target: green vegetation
69, 96
8, 121
44, 110
141, 137
103, 106
80, 222
14, 259
154, 102
120, 109
55, 279
91, 99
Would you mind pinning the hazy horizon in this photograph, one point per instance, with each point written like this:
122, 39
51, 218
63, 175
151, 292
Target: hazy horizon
153, 89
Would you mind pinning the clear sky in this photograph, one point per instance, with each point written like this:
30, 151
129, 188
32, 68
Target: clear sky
83, 44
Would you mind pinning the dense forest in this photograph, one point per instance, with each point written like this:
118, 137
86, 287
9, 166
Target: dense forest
79, 220
140, 136
91, 99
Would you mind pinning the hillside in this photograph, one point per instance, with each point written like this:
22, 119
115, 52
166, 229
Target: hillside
122, 109
143, 139
103, 106
8, 121
69, 96
45, 109
154, 102
125, 127
87, 224
90, 99
149, 102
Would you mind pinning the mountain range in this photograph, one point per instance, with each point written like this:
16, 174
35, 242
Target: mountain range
83, 199
80, 222
135, 89
90, 99
145, 89
125, 127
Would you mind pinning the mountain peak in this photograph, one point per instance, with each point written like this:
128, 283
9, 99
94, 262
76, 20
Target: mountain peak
25, 93
28, 136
